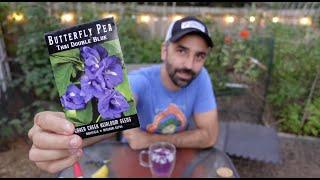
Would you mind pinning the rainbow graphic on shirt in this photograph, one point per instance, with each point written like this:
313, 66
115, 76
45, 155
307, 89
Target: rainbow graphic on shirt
169, 121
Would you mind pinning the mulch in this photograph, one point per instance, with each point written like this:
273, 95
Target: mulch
299, 158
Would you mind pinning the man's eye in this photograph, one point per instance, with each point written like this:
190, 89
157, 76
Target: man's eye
181, 51
200, 57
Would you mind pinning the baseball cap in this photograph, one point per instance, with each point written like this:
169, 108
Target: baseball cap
186, 25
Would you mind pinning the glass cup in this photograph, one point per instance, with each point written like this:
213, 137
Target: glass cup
162, 157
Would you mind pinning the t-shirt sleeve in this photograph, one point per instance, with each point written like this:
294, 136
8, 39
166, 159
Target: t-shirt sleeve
137, 83
205, 97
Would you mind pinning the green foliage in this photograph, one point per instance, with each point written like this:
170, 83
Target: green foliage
215, 62
31, 73
233, 58
65, 65
84, 116
32, 54
11, 127
296, 62
135, 43
291, 116
132, 110
312, 126
295, 56
4, 9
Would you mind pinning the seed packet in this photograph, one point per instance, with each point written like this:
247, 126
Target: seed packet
91, 78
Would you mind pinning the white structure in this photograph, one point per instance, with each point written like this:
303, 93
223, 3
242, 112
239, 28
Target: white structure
5, 75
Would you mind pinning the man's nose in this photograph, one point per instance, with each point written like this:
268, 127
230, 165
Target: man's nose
188, 63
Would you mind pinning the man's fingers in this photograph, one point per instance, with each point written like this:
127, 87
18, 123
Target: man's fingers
128, 131
60, 114
35, 129
30, 133
40, 155
126, 134
47, 140
54, 122
57, 165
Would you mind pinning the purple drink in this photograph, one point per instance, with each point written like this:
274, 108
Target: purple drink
162, 162
162, 157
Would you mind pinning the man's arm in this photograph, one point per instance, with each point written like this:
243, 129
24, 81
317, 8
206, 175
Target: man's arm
205, 135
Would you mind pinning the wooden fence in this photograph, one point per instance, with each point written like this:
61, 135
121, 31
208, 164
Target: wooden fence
158, 17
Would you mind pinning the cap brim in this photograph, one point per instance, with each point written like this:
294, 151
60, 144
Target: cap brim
188, 31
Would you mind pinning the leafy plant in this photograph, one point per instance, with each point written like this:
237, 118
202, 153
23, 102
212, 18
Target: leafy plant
296, 63
11, 127
295, 56
135, 43
31, 71
312, 126
32, 55
230, 59
290, 116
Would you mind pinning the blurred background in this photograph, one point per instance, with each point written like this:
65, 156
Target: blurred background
265, 68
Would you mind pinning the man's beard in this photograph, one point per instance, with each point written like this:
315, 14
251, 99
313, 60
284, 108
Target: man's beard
174, 77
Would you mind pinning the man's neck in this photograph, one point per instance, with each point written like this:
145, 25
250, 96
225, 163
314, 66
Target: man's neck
166, 81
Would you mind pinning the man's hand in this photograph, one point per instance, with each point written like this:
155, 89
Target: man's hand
137, 138
54, 147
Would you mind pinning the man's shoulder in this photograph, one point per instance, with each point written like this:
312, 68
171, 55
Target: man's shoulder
203, 76
146, 74
148, 70
204, 71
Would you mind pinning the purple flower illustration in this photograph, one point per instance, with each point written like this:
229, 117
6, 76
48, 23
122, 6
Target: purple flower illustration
111, 71
72, 99
93, 56
112, 105
92, 86
102, 74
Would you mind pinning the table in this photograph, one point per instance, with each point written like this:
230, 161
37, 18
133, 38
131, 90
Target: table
125, 161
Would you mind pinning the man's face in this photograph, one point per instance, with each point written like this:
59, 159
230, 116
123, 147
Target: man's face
184, 59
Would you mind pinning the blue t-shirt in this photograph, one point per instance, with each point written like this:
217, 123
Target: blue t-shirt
166, 112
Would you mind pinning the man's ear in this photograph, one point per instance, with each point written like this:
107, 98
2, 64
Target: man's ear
164, 51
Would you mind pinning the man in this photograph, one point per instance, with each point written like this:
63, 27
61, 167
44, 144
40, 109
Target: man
175, 103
